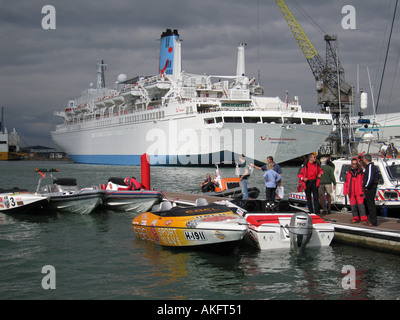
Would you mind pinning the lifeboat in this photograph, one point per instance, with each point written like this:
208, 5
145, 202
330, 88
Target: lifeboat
210, 226
231, 188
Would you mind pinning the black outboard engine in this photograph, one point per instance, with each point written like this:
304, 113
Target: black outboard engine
300, 230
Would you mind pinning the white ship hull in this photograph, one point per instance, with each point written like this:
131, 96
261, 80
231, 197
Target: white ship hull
188, 140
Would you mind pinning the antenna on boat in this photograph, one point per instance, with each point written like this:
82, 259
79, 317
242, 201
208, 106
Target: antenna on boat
373, 107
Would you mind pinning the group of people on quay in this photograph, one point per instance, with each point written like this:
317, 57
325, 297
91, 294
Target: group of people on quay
317, 179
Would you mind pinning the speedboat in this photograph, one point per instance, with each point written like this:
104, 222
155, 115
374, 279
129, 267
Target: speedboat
120, 197
388, 193
21, 201
230, 187
277, 225
65, 195
203, 226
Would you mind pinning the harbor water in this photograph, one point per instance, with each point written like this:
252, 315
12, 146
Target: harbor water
97, 256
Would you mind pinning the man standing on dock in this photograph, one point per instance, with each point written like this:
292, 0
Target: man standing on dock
310, 176
327, 180
244, 175
370, 184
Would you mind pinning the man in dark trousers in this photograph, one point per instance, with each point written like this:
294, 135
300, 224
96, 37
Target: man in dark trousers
370, 184
310, 175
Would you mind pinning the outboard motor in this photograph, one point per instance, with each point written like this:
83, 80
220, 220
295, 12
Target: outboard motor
300, 230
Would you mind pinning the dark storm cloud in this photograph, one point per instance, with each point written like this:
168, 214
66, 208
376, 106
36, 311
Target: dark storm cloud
41, 69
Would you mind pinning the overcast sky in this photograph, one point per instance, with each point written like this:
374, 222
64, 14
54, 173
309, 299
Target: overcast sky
41, 69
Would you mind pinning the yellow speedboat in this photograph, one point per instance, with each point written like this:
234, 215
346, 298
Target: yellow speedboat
201, 226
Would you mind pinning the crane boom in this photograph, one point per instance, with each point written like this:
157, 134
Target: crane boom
329, 74
310, 53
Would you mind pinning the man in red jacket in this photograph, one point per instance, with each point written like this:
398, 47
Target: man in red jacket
310, 176
354, 189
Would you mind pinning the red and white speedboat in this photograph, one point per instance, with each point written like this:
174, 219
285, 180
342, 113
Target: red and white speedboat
276, 225
120, 197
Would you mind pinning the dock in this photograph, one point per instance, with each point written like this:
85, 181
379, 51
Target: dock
384, 237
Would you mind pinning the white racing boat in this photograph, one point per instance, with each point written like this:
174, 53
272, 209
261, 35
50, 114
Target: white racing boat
21, 201
277, 225
120, 198
66, 196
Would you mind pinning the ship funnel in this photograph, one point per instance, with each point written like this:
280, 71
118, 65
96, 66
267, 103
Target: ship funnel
240, 66
167, 51
177, 65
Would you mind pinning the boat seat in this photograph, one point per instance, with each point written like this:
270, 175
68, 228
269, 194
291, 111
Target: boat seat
166, 205
201, 202
120, 181
65, 181
155, 208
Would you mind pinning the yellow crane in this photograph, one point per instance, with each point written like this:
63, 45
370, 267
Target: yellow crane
329, 74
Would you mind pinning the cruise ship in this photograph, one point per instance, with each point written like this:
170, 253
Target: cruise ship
179, 118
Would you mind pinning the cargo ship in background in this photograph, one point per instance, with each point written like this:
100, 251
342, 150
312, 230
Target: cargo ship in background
179, 118
9, 142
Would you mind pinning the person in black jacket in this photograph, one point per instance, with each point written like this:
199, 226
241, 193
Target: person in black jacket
370, 184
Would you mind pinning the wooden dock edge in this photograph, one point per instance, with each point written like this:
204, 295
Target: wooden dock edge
373, 239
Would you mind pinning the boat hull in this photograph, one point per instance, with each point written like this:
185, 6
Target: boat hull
274, 232
235, 193
22, 203
81, 202
269, 225
135, 201
194, 227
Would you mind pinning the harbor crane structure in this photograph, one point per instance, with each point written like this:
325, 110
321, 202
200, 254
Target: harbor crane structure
334, 94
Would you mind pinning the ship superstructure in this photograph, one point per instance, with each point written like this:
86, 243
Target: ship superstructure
180, 118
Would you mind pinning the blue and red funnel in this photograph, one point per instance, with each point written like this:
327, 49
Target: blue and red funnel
167, 46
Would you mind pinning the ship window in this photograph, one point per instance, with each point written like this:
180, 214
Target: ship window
309, 121
326, 122
209, 120
233, 119
3, 142
251, 119
272, 120
292, 120
218, 119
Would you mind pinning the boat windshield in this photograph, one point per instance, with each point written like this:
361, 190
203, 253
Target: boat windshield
394, 170
194, 211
